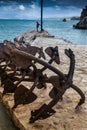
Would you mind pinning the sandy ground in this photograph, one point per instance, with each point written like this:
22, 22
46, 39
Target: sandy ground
65, 118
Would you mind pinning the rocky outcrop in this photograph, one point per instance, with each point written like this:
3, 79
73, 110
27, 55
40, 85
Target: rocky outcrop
82, 24
64, 20
30, 36
84, 13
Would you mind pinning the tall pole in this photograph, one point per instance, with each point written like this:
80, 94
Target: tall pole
41, 15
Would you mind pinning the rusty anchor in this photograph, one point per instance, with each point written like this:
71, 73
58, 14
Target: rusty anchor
46, 110
28, 95
60, 82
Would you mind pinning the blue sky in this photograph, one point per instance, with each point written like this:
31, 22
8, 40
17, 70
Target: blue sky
30, 9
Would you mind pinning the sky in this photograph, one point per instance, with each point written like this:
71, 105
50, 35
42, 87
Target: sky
30, 9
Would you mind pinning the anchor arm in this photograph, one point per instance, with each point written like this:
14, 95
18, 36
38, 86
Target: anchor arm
82, 95
70, 75
46, 110
54, 54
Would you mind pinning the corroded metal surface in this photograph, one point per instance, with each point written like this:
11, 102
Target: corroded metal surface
25, 62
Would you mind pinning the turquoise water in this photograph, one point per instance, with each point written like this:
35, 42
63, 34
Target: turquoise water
11, 28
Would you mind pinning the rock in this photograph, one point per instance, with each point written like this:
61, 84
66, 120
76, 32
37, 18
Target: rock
82, 24
83, 13
30, 36
64, 20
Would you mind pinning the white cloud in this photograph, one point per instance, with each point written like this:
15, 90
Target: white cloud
32, 11
7, 9
33, 5
57, 8
21, 7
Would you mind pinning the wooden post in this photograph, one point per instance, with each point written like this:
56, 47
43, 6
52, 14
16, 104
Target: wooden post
41, 15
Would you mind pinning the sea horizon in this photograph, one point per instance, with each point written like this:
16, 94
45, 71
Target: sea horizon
10, 28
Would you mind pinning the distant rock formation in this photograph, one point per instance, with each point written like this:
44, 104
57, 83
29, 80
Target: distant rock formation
82, 24
30, 36
64, 20
75, 18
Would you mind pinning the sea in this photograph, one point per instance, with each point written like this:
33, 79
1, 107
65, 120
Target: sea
10, 28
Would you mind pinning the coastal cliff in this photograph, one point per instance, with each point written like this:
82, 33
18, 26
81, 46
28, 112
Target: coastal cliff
82, 24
